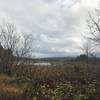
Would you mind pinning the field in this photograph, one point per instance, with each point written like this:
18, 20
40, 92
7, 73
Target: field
63, 80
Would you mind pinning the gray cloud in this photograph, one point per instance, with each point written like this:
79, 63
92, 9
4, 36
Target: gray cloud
55, 24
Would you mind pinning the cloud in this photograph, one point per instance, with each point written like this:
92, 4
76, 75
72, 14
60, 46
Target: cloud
57, 25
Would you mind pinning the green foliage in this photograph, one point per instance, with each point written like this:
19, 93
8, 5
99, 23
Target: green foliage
63, 91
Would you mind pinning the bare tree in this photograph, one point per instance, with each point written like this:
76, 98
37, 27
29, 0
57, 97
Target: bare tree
16, 44
9, 36
87, 49
25, 49
93, 23
94, 27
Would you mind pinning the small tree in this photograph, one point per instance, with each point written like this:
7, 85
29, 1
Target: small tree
88, 50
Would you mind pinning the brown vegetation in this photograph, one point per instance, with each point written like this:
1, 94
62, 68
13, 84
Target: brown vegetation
49, 82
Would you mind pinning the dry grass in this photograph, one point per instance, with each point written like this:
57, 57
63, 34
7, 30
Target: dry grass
13, 89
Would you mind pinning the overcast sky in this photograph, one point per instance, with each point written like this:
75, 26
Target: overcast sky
57, 25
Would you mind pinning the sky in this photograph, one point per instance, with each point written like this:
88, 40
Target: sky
56, 25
